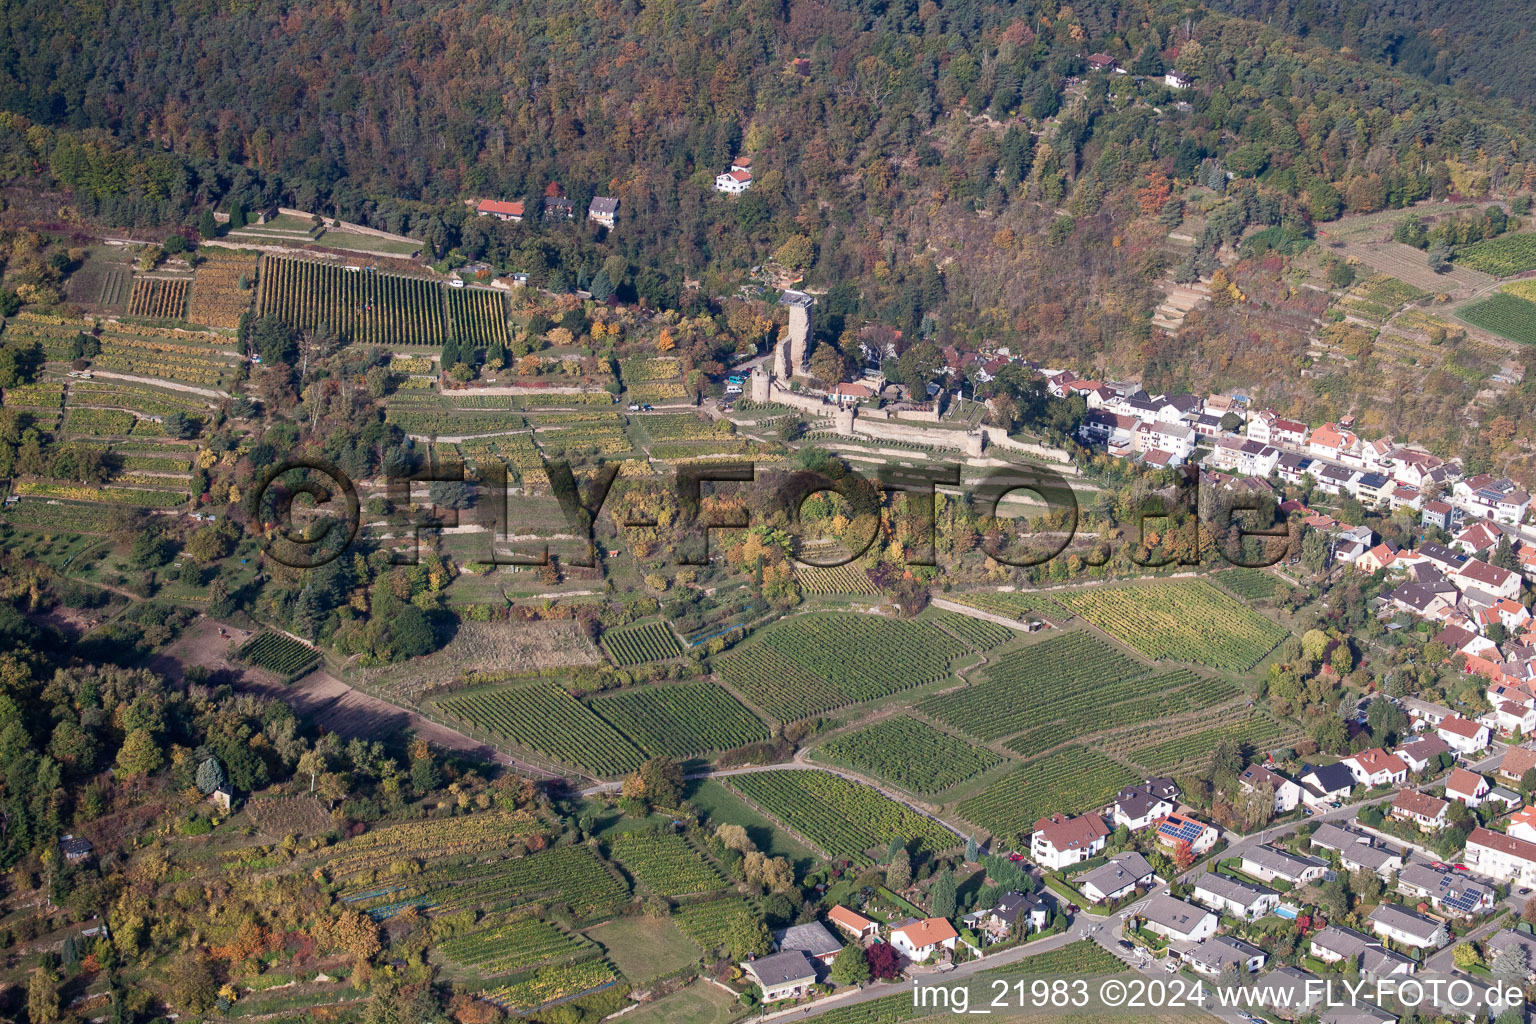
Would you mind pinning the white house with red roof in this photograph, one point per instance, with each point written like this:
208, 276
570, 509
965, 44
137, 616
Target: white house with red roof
1479, 536
1332, 441
1512, 615
1427, 812
1060, 841
854, 924
1467, 787
1501, 856
1476, 574
501, 210
1177, 831
1464, 735
920, 940
734, 181
1376, 767
1522, 824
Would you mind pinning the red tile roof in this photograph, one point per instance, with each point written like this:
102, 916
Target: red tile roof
927, 932
1462, 727
1411, 801
512, 209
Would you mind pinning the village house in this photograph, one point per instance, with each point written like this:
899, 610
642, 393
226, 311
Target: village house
1266, 864
1059, 841
1507, 940
1139, 806
856, 926
919, 940
507, 211
1463, 735
1466, 787
1501, 857
1336, 944
782, 975
1357, 851
1287, 793
1517, 761
1294, 468
1234, 898
1334, 479
1176, 920
1323, 784
1115, 879
1437, 513
1333, 442
75, 848
1490, 579
1425, 811
1181, 832
812, 939
1215, 955
1174, 80
1102, 62
1030, 912
1419, 754
1376, 767
603, 210
1426, 715
1407, 927
1450, 891
1499, 499
1403, 496
1477, 537
733, 183
1267, 428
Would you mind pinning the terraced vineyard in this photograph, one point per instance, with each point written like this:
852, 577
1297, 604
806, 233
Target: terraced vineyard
1058, 678
518, 945
470, 835
1249, 584
1180, 620
1258, 732
191, 357
808, 664
478, 315
1502, 256
71, 516
159, 298
1173, 693
1011, 603
979, 634
911, 754
1505, 315
682, 720
568, 874
711, 925
279, 654
841, 579
844, 818
544, 717
361, 306
665, 863
632, 645
217, 299
1071, 781
554, 984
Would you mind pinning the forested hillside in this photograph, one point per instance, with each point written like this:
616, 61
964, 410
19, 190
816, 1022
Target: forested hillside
1479, 47
887, 140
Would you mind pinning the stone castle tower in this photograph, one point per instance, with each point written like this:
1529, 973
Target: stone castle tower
760, 381
799, 334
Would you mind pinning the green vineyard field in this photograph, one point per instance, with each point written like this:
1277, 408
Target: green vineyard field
842, 817
1071, 781
543, 717
682, 720
912, 754
808, 664
1180, 620
632, 645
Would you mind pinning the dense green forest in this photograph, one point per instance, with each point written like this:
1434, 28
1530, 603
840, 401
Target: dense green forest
910, 118
1480, 47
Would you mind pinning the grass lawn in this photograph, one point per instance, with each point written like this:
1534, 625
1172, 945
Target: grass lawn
726, 808
643, 948
699, 1003
368, 243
